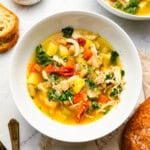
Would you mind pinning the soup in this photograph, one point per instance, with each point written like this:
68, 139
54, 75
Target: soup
134, 7
75, 76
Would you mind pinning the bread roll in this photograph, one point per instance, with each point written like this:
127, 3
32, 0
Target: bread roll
136, 135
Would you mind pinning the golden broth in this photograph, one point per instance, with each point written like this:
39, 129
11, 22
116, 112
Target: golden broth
75, 79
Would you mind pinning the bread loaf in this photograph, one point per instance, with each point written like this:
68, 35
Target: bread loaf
136, 135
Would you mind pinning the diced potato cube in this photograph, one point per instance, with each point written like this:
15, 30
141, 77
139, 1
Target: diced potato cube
106, 59
51, 104
63, 51
52, 49
34, 78
88, 43
31, 89
81, 62
78, 84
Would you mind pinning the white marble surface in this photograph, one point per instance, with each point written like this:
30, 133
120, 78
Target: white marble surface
139, 31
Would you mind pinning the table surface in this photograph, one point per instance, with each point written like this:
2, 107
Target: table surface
139, 31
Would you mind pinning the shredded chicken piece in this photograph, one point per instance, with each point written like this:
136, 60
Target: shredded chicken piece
117, 74
62, 86
100, 78
44, 75
76, 46
83, 73
92, 94
76, 35
61, 41
41, 87
58, 60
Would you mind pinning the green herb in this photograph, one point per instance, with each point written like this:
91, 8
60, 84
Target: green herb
45, 80
107, 110
54, 77
40, 107
90, 83
66, 95
122, 73
41, 57
108, 76
52, 95
89, 70
118, 5
114, 56
88, 111
36, 89
114, 93
95, 105
65, 59
32, 97
134, 2
132, 7
67, 32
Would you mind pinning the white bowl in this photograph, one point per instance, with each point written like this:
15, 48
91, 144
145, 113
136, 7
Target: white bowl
121, 13
96, 23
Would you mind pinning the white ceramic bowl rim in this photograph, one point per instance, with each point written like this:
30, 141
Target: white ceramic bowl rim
121, 13
45, 125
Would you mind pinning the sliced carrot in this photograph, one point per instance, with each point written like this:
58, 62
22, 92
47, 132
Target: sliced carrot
79, 97
70, 64
35, 67
82, 110
87, 53
49, 69
103, 98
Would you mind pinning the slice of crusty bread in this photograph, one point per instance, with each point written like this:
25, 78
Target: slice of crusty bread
9, 22
9, 43
136, 135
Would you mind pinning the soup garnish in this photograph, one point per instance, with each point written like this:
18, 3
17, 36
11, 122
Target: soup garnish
75, 76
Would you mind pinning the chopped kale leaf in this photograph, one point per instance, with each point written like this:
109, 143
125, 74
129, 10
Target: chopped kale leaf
114, 56
67, 32
90, 83
41, 57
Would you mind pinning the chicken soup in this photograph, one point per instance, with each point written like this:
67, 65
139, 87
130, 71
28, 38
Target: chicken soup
75, 76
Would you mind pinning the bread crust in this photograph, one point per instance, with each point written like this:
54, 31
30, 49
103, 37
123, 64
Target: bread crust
5, 46
9, 22
136, 134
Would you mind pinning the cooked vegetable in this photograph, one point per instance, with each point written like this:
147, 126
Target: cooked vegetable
63, 51
75, 79
52, 49
67, 32
64, 96
90, 83
41, 56
95, 105
114, 56
87, 54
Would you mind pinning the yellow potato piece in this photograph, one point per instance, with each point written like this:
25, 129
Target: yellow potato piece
52, 49
78, 84
34, 78
106, 59
63, 51
88, 43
